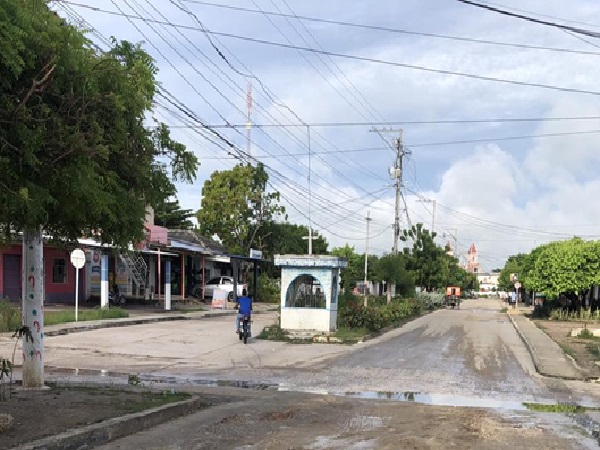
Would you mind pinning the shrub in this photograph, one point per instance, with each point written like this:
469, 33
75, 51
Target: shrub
10, 316
267, 290
352, 313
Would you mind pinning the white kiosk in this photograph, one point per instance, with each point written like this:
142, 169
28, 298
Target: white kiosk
309, 291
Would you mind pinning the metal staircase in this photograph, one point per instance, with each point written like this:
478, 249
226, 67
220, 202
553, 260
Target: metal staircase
137, 267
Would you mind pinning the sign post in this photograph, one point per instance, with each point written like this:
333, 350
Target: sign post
78, 260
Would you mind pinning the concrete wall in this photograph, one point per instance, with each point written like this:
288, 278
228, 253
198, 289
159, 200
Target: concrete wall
317, 319
308, 319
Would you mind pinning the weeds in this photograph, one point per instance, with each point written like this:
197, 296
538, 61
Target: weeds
581, 315
10, 316
273, 333
568, 350
559, 408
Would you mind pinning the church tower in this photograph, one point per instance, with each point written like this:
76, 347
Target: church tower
473, 265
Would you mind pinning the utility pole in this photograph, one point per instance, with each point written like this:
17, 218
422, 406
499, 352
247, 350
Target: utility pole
396, 174
310, 236
367, 254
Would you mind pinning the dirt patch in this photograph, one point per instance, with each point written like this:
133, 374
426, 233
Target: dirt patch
582, 350
37, 414
295, 421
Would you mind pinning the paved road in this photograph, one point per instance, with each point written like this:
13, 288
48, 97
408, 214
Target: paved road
472, 352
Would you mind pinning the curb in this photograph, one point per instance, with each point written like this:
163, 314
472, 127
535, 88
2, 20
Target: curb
536, 360
111, 429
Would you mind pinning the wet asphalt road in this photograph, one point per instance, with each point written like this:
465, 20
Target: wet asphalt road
471, 352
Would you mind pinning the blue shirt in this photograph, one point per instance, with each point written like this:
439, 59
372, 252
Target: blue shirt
245, 305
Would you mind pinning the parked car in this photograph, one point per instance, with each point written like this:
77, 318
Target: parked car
225, 283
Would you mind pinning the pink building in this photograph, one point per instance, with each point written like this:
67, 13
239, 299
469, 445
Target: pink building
59, 275
472, 265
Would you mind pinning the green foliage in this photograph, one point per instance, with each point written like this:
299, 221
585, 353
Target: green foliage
586, 334
236, 207
392, 269
558, 408
425, 260
75, 155
267, 289
578, 316
287, 238
10, 316
56, 317
564, 266
273, 333
356, 266
169, 214
513, 265
352, 313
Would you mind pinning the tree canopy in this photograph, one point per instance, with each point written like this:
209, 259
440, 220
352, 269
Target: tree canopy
75, 155
287, 238
169, 214
425, 260
564, 267
236, 206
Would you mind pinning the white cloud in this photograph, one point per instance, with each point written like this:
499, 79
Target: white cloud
540, 184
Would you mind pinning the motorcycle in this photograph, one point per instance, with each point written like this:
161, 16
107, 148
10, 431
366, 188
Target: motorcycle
115, 298
244, 331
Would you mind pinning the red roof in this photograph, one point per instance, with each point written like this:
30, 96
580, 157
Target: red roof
472, 249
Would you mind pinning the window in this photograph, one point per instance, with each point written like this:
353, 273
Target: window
214, 281
305, 292
59, 271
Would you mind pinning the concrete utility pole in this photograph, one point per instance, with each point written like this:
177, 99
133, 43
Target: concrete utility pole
396, 174
367, 254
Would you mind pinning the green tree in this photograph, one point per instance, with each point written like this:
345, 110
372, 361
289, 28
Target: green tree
353, 272
169, 214
425, 260
571, 266
514, 265
392, 269
236, 207
287, 238
75, 156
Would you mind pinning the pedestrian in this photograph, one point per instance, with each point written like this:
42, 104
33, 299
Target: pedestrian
513, 299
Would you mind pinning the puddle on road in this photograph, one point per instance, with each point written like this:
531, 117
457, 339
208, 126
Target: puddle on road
550, 406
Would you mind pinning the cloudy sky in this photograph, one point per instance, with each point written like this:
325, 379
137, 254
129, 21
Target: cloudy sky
505, 195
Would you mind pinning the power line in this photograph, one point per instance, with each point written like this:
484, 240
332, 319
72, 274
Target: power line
505, 12
362, 58
545, 15
391, 30
439, 144
411, 122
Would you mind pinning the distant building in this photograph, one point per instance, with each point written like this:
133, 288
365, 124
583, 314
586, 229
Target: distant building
472, 265
488, 282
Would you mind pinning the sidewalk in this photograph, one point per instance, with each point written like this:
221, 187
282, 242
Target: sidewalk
548, 358
139, 317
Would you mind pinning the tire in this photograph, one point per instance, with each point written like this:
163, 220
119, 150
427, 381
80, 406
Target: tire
245, 332
230, 296
197, 293
240, 335
122, 301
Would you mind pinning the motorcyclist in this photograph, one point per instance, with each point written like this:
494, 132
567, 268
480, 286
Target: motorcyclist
244, 307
